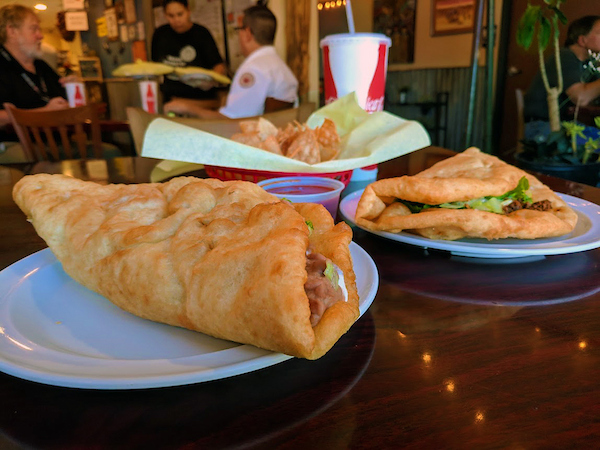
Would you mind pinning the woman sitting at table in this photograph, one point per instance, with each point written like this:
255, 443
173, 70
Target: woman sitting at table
182, 43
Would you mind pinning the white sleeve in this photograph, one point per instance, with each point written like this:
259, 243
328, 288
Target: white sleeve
247, 95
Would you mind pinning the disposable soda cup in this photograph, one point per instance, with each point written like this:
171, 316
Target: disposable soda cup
75, 94
149, 96
356, 62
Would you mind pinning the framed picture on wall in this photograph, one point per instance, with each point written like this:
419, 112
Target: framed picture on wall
452, 16
396, 19
90, 69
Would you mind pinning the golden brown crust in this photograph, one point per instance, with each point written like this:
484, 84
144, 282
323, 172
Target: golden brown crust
468, 175
223, 258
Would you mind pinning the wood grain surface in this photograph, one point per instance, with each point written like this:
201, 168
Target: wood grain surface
453, 353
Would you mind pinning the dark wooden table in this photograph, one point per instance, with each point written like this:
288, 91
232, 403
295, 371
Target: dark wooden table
442, 359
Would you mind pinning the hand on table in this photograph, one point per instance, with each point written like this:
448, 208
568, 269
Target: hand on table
56, 103
178, 106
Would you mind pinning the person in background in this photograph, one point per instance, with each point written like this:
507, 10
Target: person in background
262, 74
25, 79
182, 43
581, 83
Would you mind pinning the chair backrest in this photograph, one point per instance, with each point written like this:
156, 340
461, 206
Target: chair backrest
57, 134
140, 119
520, 115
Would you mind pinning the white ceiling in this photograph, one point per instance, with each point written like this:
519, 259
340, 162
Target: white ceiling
48, 17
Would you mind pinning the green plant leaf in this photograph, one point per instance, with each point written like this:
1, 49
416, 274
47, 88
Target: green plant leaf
561, 16
527, 26
544, 33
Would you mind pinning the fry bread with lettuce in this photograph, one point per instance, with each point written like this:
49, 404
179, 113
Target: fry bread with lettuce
223, 258
471, 194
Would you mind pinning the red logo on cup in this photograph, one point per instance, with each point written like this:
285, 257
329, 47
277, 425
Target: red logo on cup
79, 100
150, 100
377, 89
329, 84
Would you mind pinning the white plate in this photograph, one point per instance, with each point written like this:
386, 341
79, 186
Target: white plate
55, 331
585, 236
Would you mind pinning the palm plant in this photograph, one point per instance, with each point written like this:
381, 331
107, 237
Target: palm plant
568, 142
541, 23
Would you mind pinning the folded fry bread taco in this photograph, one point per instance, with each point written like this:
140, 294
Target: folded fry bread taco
471, 194
223, 258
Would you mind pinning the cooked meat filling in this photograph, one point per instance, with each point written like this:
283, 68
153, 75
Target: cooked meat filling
321, 291
515, 205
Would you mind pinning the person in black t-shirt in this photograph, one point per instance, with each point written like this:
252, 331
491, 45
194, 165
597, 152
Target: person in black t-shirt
182, 43
25, 79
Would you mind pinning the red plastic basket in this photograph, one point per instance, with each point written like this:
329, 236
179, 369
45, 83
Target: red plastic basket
230, 173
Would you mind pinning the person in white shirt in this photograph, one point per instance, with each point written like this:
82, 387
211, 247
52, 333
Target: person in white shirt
262, 75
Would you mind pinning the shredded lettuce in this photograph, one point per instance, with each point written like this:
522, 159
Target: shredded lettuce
310, 226
489, 203
519, 193
332, 274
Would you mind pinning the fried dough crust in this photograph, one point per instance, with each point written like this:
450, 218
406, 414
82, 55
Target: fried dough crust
223, 258
468, 175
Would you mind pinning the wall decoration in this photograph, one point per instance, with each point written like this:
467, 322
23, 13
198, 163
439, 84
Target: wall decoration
73, 4
396, 19
101, 30
112, 25
76, 21
90, 69
452, 16
130, 14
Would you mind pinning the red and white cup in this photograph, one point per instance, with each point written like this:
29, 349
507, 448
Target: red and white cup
149, 96
75, 94
356, 62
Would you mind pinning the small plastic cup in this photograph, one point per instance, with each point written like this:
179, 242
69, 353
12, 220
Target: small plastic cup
149, 96
75, 93
325, 191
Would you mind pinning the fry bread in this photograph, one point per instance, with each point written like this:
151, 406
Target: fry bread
223, 258
468, 175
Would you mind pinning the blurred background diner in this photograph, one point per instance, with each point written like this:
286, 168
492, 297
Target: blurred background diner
440, 71
581, 86
262, 76
183, 43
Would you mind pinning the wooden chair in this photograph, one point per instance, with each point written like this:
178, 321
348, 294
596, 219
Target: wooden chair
140, 119
39, 131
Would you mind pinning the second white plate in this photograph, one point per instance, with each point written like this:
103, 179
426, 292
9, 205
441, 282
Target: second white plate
585, 236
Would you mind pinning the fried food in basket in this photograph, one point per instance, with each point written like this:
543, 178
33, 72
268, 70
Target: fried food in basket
226, 259
472, 195
296, 140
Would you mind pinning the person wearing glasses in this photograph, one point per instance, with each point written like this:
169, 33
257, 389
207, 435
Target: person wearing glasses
262, 74
26, 80
182, 43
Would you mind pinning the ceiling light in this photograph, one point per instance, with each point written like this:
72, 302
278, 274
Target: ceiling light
41, 7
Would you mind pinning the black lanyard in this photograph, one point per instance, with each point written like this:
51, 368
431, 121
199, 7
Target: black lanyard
43, 93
